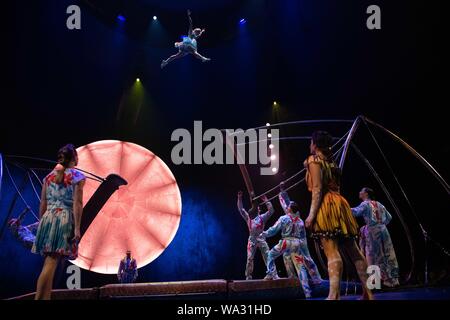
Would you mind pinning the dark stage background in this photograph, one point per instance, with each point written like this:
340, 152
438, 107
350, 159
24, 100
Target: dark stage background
317, 59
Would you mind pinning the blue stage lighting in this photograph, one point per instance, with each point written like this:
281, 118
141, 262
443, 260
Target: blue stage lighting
242, 21
121, 17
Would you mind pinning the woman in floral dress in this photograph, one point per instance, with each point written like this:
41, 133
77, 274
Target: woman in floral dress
60, 212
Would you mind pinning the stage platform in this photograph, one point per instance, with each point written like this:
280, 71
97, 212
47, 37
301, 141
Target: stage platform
217, 289
236, 290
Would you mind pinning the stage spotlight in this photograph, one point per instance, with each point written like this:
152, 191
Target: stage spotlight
138, 80
271, 146
155, 18
274, 169
268, 124
273, 157
269, 135
121, 17
275, 103
242, 21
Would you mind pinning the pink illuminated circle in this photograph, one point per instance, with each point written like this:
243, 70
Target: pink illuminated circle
142, 216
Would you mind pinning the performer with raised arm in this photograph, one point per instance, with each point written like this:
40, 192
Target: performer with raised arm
378, 247
291, 246
310, 265
26, 234
188, 45
255, 221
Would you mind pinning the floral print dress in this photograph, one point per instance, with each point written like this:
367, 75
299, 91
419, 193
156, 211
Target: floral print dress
56, 227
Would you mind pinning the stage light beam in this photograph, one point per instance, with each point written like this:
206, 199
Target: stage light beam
242, 21
121, 18
155, 18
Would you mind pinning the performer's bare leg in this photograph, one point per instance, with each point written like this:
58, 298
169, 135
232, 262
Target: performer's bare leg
361, 266
45, 281
330, 246
178, 55
199, 56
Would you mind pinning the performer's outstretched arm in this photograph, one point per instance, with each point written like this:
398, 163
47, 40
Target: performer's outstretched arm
284, 198
360, 210
273, 230
270, 210
240, 206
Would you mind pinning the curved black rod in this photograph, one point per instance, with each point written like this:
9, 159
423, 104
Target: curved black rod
54, 162
394, 205
284, 138
299, 172
36, 176
298, 122
29, 179
415, 153
394, 175
18, 191
13, 203
347, 142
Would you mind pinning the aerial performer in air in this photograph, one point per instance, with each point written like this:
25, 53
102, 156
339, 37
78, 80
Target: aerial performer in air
188, 45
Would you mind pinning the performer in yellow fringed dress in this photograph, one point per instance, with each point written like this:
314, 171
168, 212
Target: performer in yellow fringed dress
330, 218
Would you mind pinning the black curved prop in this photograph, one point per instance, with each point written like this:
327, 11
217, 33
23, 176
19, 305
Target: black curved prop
99, 198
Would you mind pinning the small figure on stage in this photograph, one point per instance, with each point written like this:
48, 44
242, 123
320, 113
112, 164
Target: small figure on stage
330, 218
310, 265
188, 45
60, 213
127, 269
25, 234
255, 222
376, 241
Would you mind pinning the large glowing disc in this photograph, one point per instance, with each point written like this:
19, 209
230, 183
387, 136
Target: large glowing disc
142, 216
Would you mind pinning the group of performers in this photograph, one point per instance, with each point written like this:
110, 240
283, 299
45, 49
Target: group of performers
331, 221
